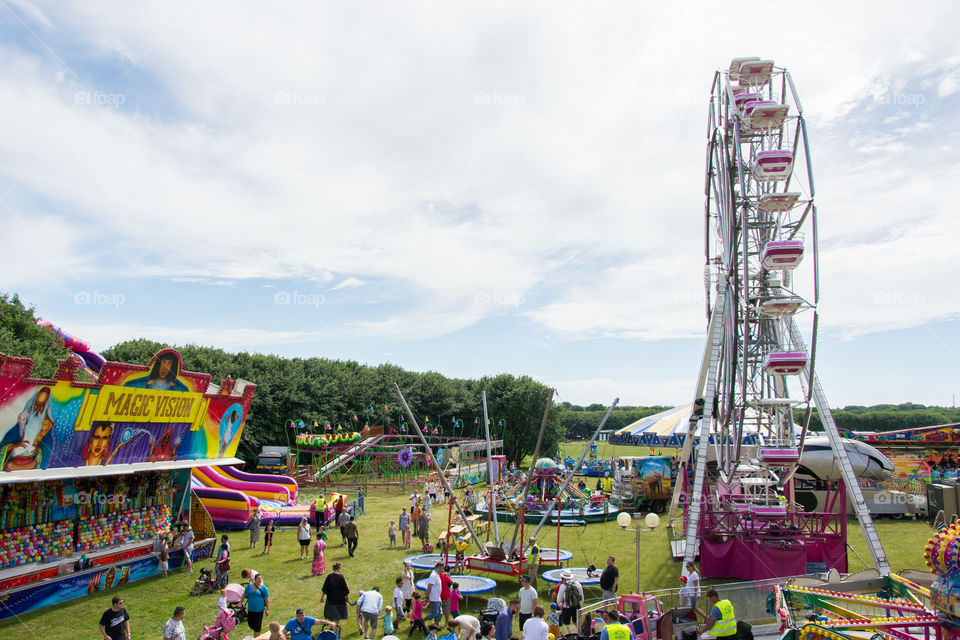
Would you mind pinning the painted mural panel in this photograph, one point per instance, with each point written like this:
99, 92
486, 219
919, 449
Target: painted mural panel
132, 414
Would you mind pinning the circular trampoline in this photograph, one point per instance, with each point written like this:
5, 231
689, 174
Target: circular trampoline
579, 574
469, 585
548, 555
427, 561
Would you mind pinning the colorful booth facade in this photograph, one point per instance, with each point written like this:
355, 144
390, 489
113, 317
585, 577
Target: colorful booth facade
95, 476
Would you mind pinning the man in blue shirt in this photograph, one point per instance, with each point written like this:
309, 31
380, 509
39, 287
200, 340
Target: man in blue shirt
301, 627
258, 603
503, 628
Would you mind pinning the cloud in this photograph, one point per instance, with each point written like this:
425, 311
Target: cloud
348, 283
103, 335
632, 392
459, 156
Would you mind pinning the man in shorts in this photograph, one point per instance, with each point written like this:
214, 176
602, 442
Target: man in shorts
369, 604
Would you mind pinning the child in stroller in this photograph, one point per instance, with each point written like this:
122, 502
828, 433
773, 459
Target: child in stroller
204, 584
495, 606
235, 602
219, 630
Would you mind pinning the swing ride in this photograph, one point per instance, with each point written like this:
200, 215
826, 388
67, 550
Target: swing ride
574, 506
545, 483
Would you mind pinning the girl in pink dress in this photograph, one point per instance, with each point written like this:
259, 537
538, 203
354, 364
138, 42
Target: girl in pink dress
319, 562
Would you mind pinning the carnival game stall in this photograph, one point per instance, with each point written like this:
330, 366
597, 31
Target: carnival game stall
94, 476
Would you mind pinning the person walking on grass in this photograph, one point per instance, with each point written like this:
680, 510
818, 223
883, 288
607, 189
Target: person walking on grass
267, 538
569, 598
188, 537
406, 585
404, 523
303, 536
319, 566
253, 524
434, 589
535, 628
446, 582
416, 614
115, 621
504, 624
398, 602
335, 593
609, 580
353, 535
258, 603
164, 560
528, 600
342, 521
369, 606
173, 629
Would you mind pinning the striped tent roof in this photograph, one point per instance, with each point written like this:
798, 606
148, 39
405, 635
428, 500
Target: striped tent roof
666, 429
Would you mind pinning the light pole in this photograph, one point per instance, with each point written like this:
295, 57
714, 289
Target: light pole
651, 520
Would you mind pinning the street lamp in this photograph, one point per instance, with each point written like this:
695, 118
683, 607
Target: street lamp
652, 520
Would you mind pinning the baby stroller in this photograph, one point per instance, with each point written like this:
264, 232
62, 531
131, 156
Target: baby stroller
204, 584
328, 634
495, 606
219, 630
235, 602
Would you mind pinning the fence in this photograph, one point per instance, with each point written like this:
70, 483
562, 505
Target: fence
749, 600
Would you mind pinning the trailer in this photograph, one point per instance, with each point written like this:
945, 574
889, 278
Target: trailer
645, 482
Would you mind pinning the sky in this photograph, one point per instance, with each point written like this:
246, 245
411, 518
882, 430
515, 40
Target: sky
469, 188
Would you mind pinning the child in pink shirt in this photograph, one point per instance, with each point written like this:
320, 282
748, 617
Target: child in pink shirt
416, 614
455, 598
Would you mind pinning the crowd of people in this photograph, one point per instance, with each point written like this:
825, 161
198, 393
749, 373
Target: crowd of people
435, 612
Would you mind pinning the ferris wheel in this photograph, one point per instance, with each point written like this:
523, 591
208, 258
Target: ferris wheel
757, 376
761, 263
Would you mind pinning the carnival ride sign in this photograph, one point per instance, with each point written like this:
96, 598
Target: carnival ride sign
131, 414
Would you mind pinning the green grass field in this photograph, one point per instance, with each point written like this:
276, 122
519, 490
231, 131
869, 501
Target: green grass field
151, 601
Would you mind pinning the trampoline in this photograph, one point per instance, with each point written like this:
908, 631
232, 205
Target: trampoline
427, 561
469, 585
551, 556
579, 574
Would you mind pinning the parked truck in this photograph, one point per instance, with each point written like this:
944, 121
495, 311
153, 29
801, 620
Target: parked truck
644, 483
274, 460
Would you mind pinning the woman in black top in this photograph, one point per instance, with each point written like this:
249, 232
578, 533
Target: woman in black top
335, 592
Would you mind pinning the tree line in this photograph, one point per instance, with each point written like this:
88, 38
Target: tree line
343, 392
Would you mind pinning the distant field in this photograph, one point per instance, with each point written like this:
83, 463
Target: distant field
606, 450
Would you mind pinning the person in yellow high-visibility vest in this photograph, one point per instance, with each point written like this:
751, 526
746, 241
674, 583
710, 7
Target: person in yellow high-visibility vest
722, 622
533, 557
616, 630
607, 484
